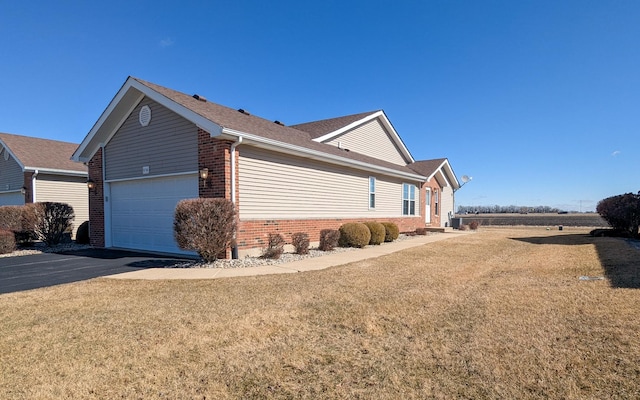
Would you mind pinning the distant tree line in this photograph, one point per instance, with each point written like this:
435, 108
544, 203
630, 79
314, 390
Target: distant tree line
496, 209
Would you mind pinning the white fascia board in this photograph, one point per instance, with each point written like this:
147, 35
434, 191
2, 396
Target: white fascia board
6, 148
447, 173
385, 121
77, 155
144, 91
200, 121
53, 171
436, 170
318, 155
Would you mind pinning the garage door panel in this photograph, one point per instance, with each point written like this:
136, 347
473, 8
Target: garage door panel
142, 212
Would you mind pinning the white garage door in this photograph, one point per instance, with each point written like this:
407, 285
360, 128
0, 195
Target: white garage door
11, 199
142, 212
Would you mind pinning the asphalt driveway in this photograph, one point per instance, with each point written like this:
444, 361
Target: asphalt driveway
49, 269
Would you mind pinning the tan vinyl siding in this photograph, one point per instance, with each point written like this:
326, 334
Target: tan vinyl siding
276, 186
446, 206
168, 145
65, 189
11, 175
371, 139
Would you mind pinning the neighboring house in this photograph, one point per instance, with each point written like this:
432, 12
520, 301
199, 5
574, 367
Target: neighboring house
38, 170
152, 146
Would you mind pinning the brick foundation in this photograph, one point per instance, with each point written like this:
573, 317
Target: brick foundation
254, 233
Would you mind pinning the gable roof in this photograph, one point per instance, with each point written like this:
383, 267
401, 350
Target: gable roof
45, 155
323, 127
438, 168
227, 123
327, 129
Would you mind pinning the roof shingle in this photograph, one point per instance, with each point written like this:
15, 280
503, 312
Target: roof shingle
233, 119
39, 153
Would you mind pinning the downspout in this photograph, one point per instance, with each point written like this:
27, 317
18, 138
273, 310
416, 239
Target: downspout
234, 248
33, 186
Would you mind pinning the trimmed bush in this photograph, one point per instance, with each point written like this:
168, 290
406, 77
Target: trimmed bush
82, 235
354, 234
53, 221
473, 225
377, 231
391, 231
329, 239
21, 220
300, 241
421, 231
275, 248
7, 242
622, 212
205, 225
11, 218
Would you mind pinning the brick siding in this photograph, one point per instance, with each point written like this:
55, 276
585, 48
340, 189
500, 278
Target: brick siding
96, 201
255, 233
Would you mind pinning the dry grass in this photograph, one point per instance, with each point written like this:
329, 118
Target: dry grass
482, 316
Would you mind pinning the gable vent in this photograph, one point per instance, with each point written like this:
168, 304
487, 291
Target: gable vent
144, 117
245, 112
201, 98
278, 122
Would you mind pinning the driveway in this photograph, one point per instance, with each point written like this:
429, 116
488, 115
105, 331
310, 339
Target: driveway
49, 269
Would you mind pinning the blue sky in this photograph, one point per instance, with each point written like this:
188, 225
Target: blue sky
538, 101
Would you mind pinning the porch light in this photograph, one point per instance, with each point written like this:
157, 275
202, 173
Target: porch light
23, 190
91, 184
204, 174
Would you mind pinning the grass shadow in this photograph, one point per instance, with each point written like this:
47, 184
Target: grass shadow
619, 257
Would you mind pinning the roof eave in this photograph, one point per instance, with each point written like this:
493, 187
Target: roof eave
55, 171
396, 138
119, 109
449, 176
287, 148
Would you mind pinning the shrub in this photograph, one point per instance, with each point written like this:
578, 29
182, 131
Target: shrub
53, 221
11, 218
205, 225
275, 247
329, 239
622, 212
82, 235
354, 234
473, 225
300, 242
421, 231
7, 242
21, 220
391, 231
377, 231
462, 227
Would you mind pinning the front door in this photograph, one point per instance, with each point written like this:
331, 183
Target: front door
427, 211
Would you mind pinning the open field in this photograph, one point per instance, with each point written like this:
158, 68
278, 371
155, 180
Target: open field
578, 219
500, 313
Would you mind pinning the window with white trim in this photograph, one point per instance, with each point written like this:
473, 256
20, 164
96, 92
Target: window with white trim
408, 199
372, 192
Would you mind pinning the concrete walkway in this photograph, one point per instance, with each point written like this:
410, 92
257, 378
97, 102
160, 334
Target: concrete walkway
307, 264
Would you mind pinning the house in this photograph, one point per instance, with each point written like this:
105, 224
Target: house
38, 170
154, 146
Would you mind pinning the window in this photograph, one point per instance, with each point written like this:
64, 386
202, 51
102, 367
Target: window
435, 201
408, 199
372, 192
